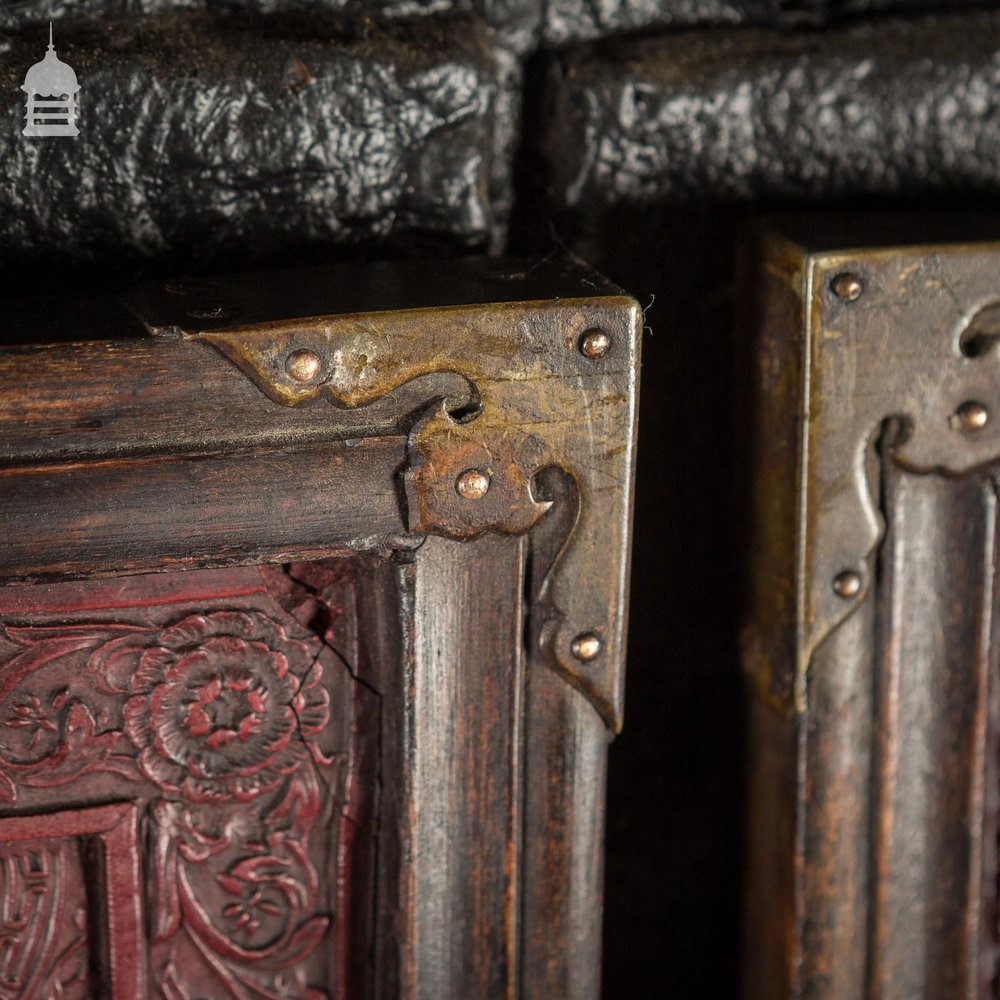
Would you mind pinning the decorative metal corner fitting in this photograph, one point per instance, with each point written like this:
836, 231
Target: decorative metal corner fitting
540, 395
906, 333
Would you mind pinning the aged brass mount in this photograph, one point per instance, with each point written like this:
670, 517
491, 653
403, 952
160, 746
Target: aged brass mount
549, 383
902, 333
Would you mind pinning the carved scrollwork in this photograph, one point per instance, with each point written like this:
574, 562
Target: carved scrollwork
918, 345
42, 924
223, 715
536, 400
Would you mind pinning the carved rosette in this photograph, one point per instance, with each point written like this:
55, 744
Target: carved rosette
222, 715
220, 707
533, 400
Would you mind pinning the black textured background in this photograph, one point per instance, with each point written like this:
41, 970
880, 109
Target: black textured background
641, 134
885, 107
206, 138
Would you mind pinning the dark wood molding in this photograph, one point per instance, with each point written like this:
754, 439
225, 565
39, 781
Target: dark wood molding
182, 511
870, 641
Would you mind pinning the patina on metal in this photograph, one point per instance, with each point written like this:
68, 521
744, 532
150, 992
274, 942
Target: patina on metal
918, 348
548, 384
303, 366
586, 647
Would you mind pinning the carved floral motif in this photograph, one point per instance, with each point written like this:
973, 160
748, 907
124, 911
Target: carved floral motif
221, 714
42, 925
222, 706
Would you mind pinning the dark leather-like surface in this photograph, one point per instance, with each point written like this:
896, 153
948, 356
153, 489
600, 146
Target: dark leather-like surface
519, 25
572, 21
569, 21
203, 140
905, 106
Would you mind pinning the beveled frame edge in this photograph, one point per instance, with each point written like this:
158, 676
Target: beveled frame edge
505, 833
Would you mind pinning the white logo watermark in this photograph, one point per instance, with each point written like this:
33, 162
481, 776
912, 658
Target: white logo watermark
52, 90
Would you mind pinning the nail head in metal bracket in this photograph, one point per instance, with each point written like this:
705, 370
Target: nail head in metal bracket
970, 417
847, 286
594, 344
847, 584
586, 647
472, 484
303, 365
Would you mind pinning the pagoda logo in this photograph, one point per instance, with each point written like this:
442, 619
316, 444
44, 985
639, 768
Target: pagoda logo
52, 90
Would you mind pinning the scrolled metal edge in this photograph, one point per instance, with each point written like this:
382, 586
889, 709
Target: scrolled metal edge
922, 389
579, 415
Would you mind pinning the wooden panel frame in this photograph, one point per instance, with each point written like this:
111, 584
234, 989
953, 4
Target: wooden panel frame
180, 433
115, 828
870, 642
75, 697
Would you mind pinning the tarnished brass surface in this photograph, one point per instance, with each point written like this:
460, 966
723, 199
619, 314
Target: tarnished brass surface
916, 345
534, 400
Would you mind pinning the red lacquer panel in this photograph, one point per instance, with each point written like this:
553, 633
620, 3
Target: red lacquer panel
201, 736
56, 872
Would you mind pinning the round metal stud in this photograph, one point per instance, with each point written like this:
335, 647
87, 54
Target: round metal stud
847, 584
586, 647
972, 416
594, 344
303, 365
847, 286
472, 484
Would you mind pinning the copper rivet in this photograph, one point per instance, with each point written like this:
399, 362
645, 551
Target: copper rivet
472, 484
847, 584
594, 344
972, 416
847, 286
303, 366
586, 646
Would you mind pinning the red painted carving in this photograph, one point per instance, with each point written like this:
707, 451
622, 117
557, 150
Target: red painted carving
220, 725
46, 892
42, 922
220, 706
47, 737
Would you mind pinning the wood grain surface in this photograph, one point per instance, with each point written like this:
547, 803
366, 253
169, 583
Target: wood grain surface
448, 773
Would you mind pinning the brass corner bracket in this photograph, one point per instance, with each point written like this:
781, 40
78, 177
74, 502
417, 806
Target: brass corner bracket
893, 333
550, 384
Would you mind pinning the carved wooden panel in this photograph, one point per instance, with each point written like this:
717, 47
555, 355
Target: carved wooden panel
207, 733
330, 761
58, 872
